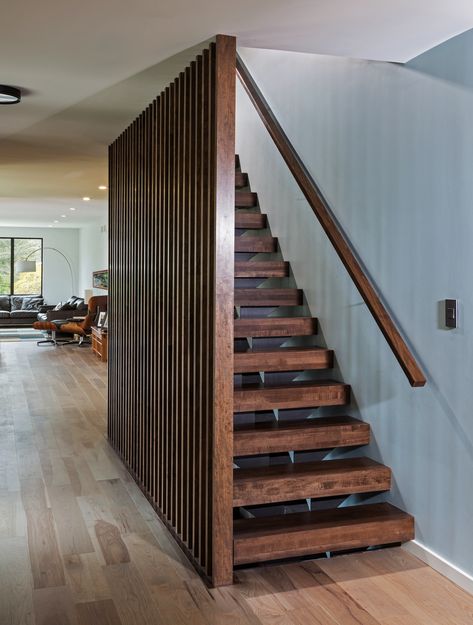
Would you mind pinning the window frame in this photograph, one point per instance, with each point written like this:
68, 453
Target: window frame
12, 265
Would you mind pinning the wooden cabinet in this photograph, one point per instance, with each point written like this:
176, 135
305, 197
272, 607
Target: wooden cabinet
100, 343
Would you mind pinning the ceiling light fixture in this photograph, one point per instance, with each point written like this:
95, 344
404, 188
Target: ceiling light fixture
103, 187
63, 216
9, 95
86, 199
72, 208
56, 221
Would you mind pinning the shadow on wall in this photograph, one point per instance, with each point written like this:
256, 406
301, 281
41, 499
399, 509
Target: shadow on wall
450, 61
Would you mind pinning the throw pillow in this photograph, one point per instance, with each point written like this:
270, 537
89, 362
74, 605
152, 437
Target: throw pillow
58, 306
32, 303
16, 302
5, 303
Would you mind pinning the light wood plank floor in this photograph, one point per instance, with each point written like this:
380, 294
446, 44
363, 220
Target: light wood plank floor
79, 544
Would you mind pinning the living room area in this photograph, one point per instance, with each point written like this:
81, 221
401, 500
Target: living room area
54, 277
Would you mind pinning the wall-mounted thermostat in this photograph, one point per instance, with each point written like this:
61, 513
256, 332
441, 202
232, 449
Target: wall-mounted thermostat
451, 313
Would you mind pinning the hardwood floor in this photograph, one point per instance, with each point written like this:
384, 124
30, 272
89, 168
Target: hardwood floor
79, 544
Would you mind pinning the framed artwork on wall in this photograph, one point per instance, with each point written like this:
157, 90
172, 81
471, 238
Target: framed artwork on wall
102, 320
100, 279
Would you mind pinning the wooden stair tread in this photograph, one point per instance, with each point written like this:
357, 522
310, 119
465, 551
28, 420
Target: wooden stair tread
261, 269
250, 220
301, 480
245, 199
268, 297
254, 397
306, 533
274, 326
241, 179
282, 359
257, 244
319, 433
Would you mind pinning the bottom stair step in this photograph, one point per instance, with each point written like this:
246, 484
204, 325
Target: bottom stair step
311, 533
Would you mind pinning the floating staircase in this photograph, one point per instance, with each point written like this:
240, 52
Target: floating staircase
290, 483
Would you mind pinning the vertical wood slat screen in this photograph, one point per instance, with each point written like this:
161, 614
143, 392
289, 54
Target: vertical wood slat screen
170, 409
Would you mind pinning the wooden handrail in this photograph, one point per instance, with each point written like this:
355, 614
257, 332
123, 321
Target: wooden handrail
333, 230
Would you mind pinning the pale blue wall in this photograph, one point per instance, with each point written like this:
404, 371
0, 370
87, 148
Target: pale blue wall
392, 148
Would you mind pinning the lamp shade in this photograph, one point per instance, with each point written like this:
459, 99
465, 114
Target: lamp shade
25, 266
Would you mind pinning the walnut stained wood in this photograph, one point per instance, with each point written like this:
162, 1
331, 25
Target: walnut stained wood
320, 433
268, 297
172, 204
250, 220
261, 269
316, 532
255, 244
64, 417
275, 326
334, 232
298, 395
282, 359
326, 478
245, 199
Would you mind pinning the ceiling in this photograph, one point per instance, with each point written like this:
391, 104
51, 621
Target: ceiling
88, 68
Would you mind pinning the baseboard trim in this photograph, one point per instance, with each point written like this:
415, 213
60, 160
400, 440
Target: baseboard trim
440, 564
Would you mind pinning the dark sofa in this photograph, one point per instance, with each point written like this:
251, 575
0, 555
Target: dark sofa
74, 307
19, 310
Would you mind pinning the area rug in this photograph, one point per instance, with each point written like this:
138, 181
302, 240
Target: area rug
20, 334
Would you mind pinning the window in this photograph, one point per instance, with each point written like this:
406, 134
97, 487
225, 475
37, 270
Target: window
13, 282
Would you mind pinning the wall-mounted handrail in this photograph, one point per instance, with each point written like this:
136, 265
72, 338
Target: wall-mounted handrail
333, 230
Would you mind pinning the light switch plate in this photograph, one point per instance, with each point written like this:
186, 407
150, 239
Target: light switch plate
451, 313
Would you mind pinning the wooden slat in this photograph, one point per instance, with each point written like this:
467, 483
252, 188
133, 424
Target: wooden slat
310, 533
334, 231
279, 436
172, 205
303, 480
222, 440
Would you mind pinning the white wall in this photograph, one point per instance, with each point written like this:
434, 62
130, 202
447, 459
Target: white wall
56, 276
392, 149
93, 246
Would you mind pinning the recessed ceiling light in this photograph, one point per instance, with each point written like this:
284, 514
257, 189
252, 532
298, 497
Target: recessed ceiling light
9, 95
56, 221
103, 187
86, 199
72, 208
50, 225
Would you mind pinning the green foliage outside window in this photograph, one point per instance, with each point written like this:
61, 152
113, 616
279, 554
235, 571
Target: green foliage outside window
24, 283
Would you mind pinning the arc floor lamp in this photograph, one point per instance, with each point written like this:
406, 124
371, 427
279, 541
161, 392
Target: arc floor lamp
27, 266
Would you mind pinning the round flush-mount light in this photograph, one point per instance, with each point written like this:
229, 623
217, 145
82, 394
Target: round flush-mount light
9, 95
